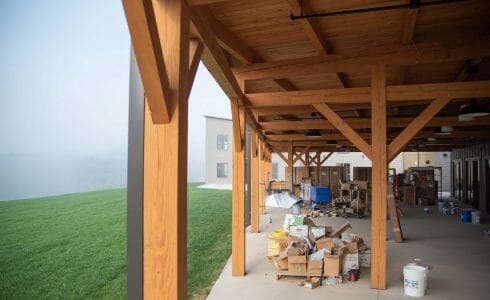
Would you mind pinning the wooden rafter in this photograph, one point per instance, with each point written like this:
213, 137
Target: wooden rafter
344, 128
326, 158
425, 53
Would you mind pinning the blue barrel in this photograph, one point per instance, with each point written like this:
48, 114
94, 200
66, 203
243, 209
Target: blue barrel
466, 216
321, 194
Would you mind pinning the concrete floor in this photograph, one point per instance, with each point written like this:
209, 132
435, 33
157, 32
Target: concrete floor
458, 252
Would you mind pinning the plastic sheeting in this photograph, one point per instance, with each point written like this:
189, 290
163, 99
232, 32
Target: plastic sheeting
284, 200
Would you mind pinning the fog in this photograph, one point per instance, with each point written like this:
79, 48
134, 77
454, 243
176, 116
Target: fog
64, 80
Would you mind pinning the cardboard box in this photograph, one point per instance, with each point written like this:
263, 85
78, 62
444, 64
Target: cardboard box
365, 259
315, 267
313, 283
332, 264
325, 243
298, 230
318, 232
298, 264
281, 261
350, 262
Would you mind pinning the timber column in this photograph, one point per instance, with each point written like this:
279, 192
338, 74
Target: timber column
238, 190
254, 181
379, 177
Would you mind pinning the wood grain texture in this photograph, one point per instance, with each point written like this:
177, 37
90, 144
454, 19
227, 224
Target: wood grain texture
238, 206
254, 183
344, 128
379, 178
290, 167
143, 25
415, 126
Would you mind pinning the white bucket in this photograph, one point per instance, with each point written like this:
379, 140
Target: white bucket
475, 217
414, 280
440, 206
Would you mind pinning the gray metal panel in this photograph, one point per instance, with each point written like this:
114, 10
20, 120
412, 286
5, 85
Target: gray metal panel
135, 184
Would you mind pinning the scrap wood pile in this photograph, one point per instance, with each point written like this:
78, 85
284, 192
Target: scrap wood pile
319, 254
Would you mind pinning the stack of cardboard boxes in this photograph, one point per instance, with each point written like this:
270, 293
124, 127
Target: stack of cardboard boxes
318, 252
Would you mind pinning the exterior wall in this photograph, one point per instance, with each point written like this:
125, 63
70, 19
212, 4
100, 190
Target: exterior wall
482, 154
433, 159
281, 167
215, 127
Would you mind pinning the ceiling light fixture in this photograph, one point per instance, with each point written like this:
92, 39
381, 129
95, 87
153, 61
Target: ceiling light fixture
313, 133
444, 130
469, 112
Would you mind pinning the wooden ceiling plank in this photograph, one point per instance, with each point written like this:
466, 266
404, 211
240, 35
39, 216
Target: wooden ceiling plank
344, 128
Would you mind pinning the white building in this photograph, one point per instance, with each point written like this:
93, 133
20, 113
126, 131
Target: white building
218, 155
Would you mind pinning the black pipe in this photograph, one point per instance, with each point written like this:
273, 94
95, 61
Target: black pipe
412, 5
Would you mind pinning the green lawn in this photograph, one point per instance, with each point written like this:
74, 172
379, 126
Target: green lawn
74, 246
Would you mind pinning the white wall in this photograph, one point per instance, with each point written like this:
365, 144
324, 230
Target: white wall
214, 127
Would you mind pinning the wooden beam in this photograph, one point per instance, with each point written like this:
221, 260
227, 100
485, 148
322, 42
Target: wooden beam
262, 179
165, 184
464, 74
409, 28
379, 178
290, 173
407, 93
326, 158
238, 208
424, 53
143, 25
195, 52
344, 128
281, 156
237, 126
364, 123
204, 2
415, 126
214, 58
254, 182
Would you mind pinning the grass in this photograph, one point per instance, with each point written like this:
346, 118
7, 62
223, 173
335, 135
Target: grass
74, 246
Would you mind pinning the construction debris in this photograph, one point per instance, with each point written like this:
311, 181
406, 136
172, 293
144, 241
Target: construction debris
318, 253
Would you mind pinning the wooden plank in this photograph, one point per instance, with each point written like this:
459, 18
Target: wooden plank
409, 28
394, 218
415, 126
143, 25
204, 2
424, 53
238, 201
407, 93
165, 184
254, 183
344, 128
379, 178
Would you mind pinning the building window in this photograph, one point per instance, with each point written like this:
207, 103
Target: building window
275, 171
222, 142
222, 170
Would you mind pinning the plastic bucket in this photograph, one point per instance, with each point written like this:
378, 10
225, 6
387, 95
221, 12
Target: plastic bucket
414, 280
475, 217
466, 216
440, 206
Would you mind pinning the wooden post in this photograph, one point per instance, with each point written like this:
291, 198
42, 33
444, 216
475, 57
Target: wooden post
379, 177
262, 179
254, 182
238, 191
307, 162
290, 174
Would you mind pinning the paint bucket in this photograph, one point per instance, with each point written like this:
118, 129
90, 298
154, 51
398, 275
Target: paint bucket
414, 280
466, 216
440, 206
445, 211
296, 209
475, 217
